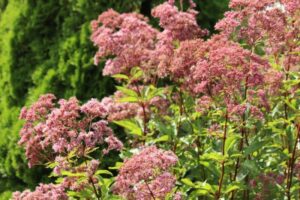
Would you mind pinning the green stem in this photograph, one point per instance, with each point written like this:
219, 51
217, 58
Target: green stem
142, 104
291, 165
223, 162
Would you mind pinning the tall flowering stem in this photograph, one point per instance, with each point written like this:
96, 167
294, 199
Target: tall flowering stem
292, 164
218, 195
142, 104
90, 179
243, 128
98, 196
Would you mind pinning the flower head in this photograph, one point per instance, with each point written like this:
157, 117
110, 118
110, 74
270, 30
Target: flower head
51, 131
146, 174
42, 192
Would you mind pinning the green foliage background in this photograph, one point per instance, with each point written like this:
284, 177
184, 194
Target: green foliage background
45, 47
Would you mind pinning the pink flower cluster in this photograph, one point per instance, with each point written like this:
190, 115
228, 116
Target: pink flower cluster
225, 67
273, 23
51, 131
159, 187
133, 42
128, 37
42, 192
180, 25
146, 174
119, 110
221, 69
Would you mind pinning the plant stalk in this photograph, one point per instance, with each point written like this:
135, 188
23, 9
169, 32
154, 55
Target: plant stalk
223, 162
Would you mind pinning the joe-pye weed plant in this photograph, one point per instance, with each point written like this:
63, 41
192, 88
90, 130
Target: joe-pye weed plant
204, 117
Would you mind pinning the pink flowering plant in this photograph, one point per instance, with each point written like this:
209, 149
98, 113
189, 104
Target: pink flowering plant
204, 117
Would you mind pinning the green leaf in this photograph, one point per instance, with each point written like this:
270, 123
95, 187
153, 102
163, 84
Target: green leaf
126, 91
210, 166
114, 197
106, 182
118, 165
200, 192
90, 150
230, 142
152, 92
275, 110
128, 100
231, 188
204, 186
162, 128
131, 126
203, 189
120, 76
290, 104
188, 182
249, 166
102, 171
70, 174
163, 138
136, 73
295, 187
51, 164
213, 156
254, 147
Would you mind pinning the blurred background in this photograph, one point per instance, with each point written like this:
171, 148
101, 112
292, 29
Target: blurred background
45, 47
